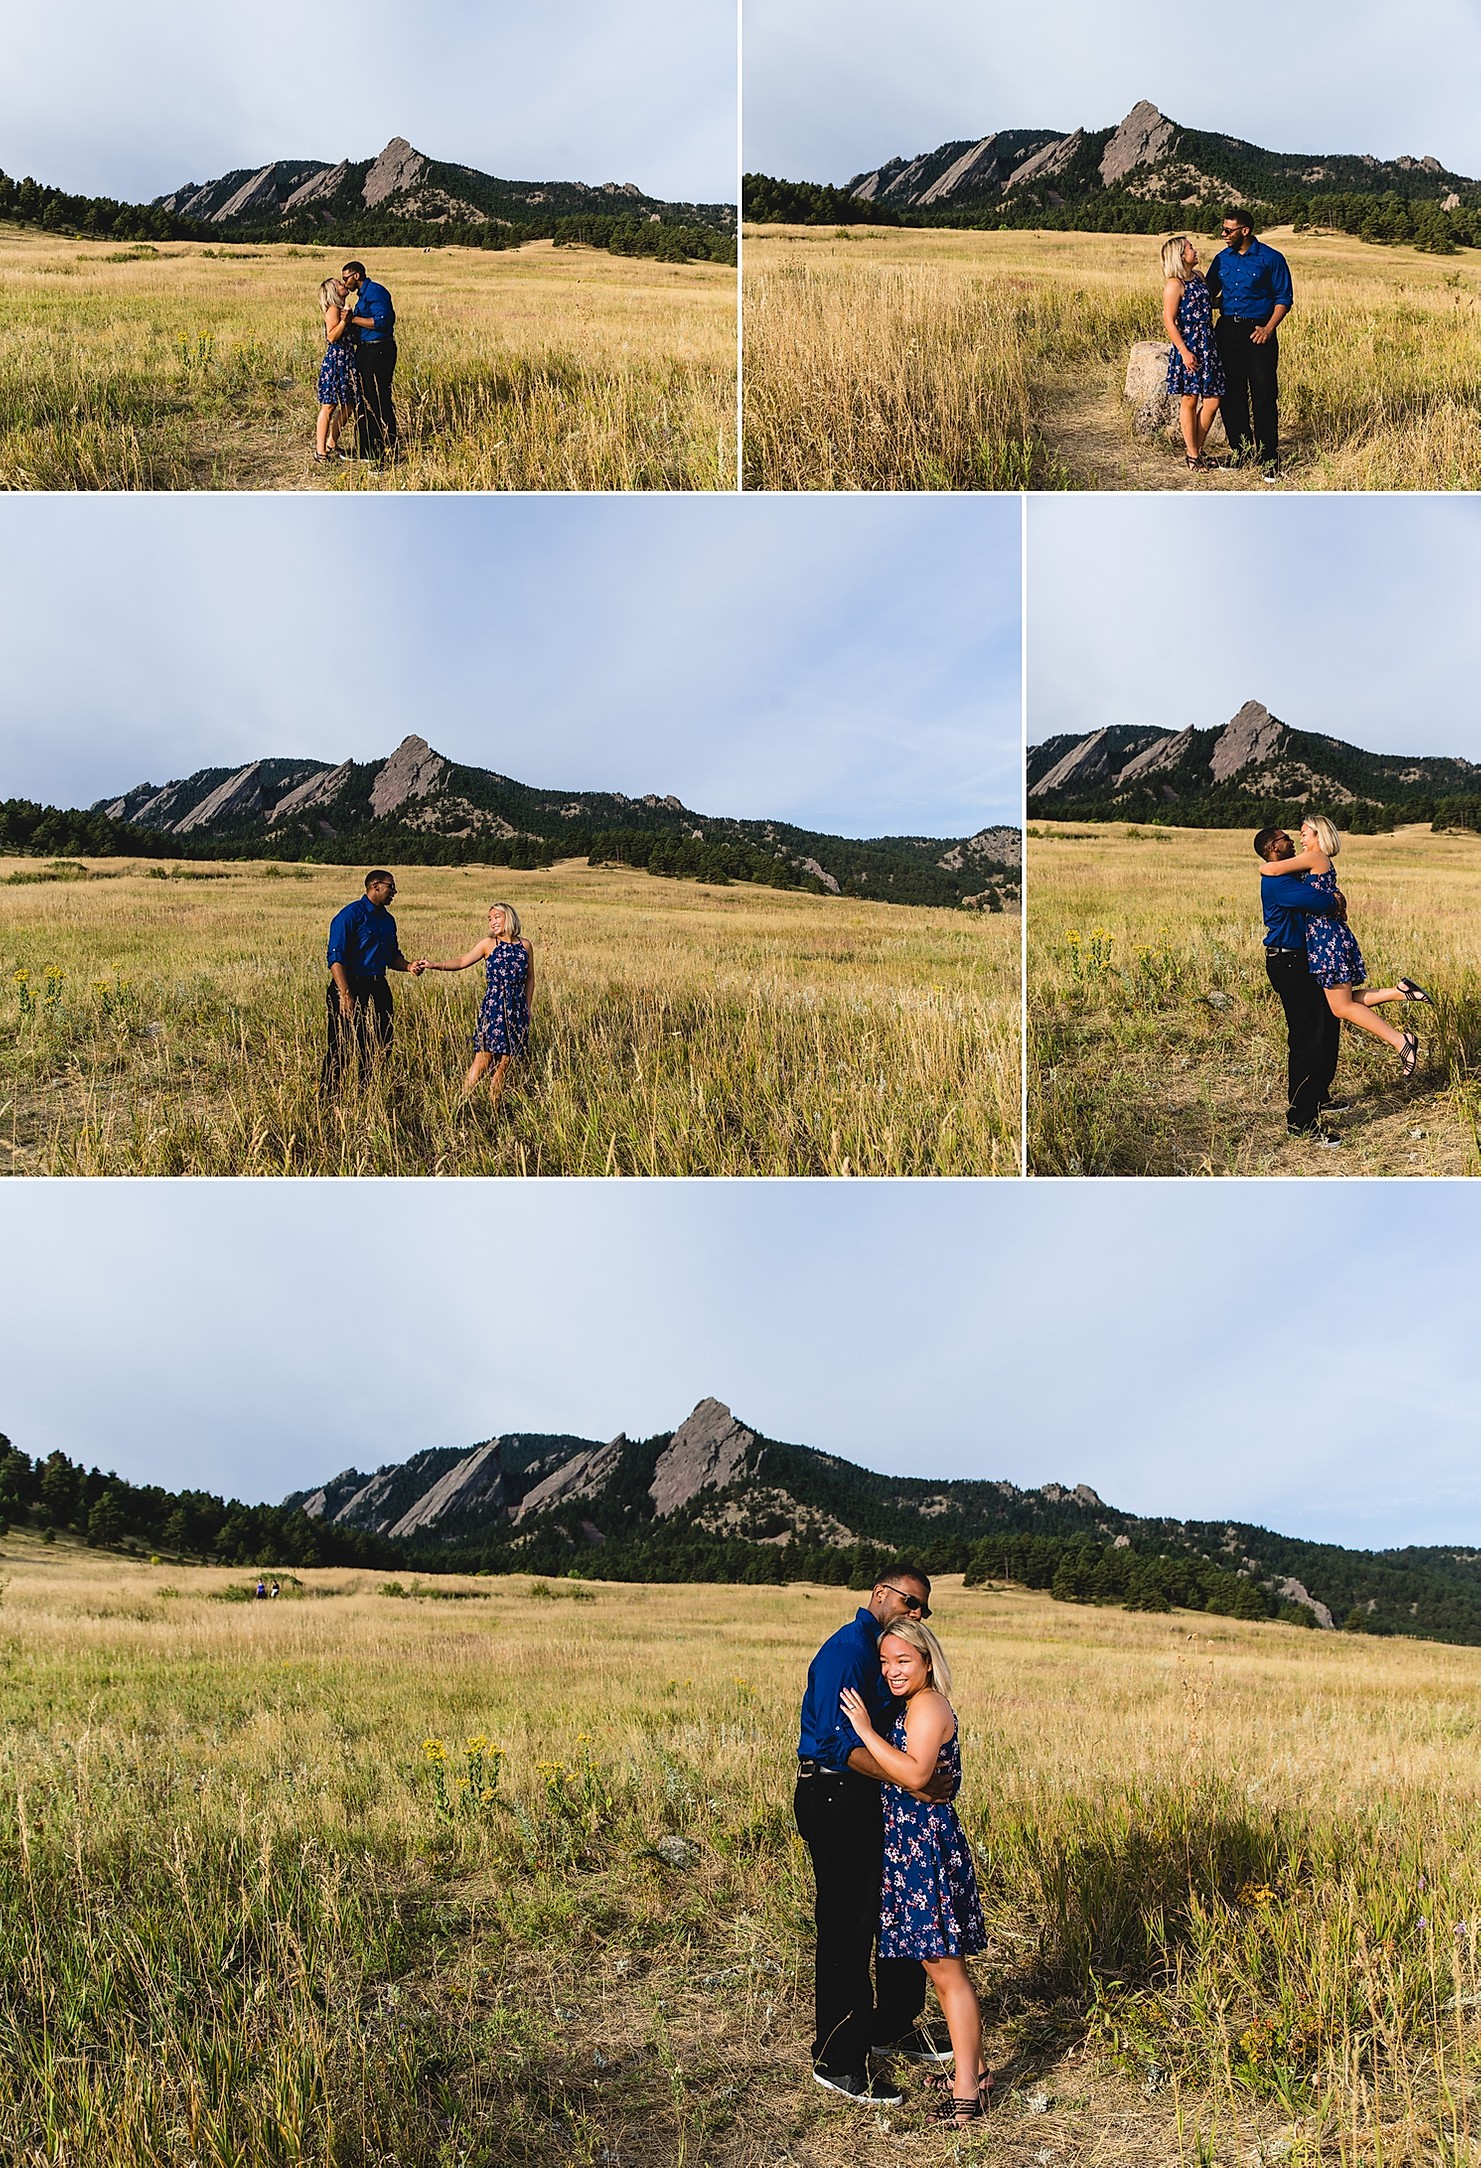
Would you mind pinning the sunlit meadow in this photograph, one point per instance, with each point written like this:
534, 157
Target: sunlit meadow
368, 1875
175, 1025
184, 367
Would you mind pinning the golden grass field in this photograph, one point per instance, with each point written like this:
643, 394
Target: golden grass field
537, 368
678, 1029
940, 360
1133, 1070
1230, 1875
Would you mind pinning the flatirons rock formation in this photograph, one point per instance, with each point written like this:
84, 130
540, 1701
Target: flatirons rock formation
1254, 760
1146, 154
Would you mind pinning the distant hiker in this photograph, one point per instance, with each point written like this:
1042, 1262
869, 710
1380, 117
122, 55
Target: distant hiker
260, 1592
503, 1028
929, 1908
840, 1818
363, 947
374, 318
272, 1591
1195, 374
339, 379
1333, 957
1251, 287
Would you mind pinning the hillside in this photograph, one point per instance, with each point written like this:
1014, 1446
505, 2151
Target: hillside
417, 807
1252, 769
715, 1500
1137, 176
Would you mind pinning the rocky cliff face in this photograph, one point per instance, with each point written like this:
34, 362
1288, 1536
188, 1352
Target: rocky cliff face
1250, 736
397, 167
1140, 140
708, 1451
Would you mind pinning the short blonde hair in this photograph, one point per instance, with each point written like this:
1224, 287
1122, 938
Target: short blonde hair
511, 920
329, 291
1326, 835
1172, 257
920, 1637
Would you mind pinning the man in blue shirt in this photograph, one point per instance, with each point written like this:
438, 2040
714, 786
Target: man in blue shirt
1251, 286
374, 320
1313, 1035
841, 1821
363, 947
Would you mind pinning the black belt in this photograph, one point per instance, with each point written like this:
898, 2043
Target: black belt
1273, 948
806, 1768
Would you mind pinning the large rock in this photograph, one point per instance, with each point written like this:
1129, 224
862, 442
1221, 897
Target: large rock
1140, 140
707, 1452
397, 167
584, 1475
1146, 391
1165, 754
239, 797
317, 186
1252, 735
1047, 163
317, 790
1084, 764
979, 163
477, 1482
1292, 1592
413, 771
260, 193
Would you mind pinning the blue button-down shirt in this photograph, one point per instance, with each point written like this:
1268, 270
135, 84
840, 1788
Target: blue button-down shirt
848, 1658
362, 937
373, 301
1251, 285
1288, 900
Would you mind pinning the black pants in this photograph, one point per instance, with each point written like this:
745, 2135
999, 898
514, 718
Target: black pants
363, 1036
841, 1821
1313, 1036
376, 414
1251, 405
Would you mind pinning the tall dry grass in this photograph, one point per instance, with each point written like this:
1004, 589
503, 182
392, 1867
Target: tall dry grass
679, 1030
1156, 1045
362, 1876
539, 368
908, 360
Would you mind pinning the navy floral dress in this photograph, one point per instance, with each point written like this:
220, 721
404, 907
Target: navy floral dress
929, 1906
1196, 323
339, 379
504, 1017
1332, 955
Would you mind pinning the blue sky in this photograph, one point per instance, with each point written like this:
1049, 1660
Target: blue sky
1185, 1348
848, 664
1350, 615
833, 87
132, 101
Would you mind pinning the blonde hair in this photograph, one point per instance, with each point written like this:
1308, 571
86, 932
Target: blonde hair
329, 291
1326, 835
511, 920
1172, 257
920, 1637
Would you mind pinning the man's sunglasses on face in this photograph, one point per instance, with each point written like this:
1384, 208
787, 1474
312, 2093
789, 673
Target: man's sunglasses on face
911, 1603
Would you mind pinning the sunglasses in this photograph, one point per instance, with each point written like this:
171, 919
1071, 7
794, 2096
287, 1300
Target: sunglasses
916, 1604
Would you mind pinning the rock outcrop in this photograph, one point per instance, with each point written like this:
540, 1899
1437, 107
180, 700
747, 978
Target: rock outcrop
318, 186
1291, 1591
239, 796
319, 789
1141, 140
708, 1451
979, 163
1165, 754
397, 167
1252, 735
1084, 765
260, 193
475, 1485
413, 771
1047, 163
584, 1475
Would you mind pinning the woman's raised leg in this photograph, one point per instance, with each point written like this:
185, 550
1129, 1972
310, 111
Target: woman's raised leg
1349, 1007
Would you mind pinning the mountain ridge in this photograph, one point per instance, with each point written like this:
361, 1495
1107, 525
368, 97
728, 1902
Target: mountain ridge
1253, 767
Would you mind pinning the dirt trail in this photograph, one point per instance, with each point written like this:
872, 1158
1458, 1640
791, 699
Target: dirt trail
1085, 425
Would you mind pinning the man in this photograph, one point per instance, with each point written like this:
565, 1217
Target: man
1251, 286
840, 1819
374, 319
1312, 1031
363, 947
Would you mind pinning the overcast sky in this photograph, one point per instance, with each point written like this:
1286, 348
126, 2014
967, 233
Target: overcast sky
849, 664
132, 101
834, 87
1351, 615
1141, 1337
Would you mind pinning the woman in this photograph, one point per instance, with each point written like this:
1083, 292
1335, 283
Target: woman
503, 1028
1332, 953
339, 379
929, 1908
1195, 374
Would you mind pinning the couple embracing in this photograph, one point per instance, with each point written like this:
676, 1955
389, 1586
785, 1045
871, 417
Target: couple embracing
1316, 968
878, 1766
1233, 363
359, 366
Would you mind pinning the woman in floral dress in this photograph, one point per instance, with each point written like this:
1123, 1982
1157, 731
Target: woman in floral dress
1332, 954
339, 379
503, 1028
1195, 374
929, 1908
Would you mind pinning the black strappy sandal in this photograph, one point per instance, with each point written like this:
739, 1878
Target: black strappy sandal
1412, 990
1409, 1058
957, 2113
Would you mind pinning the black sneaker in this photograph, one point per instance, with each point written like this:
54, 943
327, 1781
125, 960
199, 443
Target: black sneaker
858, 2085
1336, 1106
1327, 1138
925, 2044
